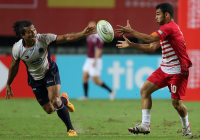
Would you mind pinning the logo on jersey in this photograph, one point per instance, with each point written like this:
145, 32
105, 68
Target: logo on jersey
32, 49
37, 61
41, 50
27, 57
160, 32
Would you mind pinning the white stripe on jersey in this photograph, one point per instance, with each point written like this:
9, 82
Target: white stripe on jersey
171, 63
168, 54
163, 42
166, 50
165, 46
168, 63
167, 60
171, 70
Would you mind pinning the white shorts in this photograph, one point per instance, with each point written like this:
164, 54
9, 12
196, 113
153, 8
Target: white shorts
92, 71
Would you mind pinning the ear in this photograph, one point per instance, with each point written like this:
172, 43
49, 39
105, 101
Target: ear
167, 15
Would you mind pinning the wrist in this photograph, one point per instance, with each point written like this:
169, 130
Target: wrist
131, 45
132, 32
83, 34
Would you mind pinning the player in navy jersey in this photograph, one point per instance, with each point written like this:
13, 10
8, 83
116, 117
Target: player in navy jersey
173, 71
43, 73
93, 64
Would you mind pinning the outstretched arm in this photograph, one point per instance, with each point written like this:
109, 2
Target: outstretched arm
71, 37
141, 47
11, 75
144, 37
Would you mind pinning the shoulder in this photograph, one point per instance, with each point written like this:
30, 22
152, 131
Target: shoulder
47, 38
17, 46
166, 26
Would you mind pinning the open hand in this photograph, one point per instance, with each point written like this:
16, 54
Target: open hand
89, 30
124, 44
9, 92
124, 30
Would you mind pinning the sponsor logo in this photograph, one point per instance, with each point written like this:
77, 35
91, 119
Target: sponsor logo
31, 49
37, 61
34, 88
104, 29
41, 50
160, 32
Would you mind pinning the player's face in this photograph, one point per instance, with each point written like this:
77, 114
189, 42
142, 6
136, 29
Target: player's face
30, 34
160, 17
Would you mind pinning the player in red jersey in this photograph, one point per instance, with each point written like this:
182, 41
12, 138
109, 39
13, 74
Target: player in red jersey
173, 71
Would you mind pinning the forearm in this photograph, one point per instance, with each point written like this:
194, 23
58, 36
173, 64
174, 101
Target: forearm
12, 74
144, 37
74, 36
141, 47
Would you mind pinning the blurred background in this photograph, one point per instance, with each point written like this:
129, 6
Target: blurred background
125, 70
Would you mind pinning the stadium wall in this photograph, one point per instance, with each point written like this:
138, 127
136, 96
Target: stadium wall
190, 26
124, 73
65, 16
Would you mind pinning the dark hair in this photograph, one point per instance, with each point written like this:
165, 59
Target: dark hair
166, 7
19, 27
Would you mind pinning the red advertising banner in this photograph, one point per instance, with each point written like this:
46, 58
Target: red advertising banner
189, 22
20, 86
65, 16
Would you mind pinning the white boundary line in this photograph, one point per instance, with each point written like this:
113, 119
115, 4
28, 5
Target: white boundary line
19, 6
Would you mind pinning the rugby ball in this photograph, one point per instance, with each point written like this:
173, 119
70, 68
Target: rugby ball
105, 31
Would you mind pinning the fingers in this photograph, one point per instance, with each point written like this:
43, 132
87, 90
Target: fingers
125, 38
119, 45
128, 23
120, 26
120, 41
118, 30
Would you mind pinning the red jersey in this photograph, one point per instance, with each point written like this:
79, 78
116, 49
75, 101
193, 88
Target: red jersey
174, 56
94, 42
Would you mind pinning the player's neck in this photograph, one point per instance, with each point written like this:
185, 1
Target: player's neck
28, 44
168, 21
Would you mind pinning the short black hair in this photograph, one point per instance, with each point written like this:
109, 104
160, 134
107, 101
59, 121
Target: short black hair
166, 7
19, 27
